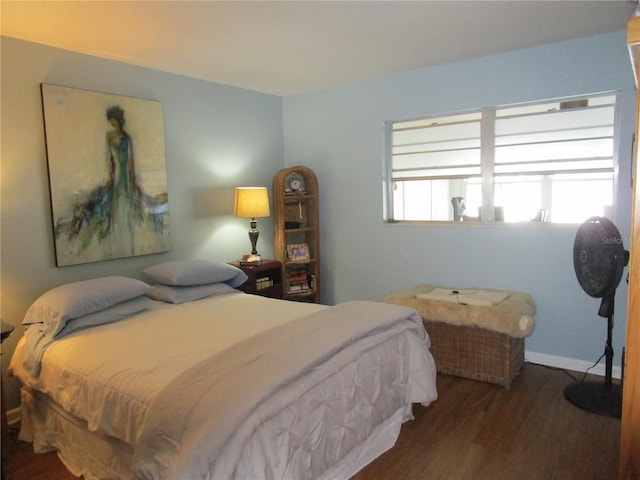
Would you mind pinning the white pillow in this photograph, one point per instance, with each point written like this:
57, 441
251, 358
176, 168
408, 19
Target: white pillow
187, 273
57, 306
172, 294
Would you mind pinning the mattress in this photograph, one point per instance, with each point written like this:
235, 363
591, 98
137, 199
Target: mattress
111, 381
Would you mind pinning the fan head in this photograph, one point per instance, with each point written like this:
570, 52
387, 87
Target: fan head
599, 257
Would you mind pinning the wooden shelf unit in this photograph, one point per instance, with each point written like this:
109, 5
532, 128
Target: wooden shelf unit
296, 226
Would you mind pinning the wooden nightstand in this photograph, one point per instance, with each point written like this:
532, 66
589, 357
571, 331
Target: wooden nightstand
265, 279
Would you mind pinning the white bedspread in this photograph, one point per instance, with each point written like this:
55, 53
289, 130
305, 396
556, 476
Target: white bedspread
205, 430
108, 375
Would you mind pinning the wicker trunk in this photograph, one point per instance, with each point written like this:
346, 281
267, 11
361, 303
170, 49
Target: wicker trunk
475, 353
476, 341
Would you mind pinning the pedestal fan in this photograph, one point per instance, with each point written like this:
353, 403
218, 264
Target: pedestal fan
599, 258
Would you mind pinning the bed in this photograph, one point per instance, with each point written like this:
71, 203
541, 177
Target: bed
199, 380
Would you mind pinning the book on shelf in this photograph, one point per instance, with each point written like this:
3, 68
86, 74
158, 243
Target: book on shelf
262, 283
253, 260
297, 272
298, 278
294, 290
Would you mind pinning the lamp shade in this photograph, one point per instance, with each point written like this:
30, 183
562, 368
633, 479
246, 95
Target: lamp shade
251, 202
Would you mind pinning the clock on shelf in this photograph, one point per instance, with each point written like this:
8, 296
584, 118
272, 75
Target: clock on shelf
294, 183
296, 233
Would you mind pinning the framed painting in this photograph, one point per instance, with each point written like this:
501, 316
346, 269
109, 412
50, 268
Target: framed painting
107, 175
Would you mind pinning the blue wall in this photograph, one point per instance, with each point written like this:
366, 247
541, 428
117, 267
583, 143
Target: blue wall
339, 133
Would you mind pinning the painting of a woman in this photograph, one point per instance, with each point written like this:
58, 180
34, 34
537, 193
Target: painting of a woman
119, 215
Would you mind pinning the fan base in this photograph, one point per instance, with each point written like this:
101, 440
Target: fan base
594, 397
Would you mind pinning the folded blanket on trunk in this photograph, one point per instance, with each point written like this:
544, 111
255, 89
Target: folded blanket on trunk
513, 316
483, 298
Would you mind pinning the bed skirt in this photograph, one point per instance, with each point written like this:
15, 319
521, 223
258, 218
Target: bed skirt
98, 457
84, 453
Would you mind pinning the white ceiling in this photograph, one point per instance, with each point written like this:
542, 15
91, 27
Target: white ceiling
291, 47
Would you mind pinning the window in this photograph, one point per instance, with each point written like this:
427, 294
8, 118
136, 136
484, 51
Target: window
544, 162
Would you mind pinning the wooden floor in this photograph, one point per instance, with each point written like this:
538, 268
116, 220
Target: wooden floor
474, 431
478, 431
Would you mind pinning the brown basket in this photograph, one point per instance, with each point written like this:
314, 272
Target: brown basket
475, 353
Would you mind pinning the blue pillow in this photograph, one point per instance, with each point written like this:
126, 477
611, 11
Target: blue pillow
187, 273
118, 312
172, 294
56, 307
37, 340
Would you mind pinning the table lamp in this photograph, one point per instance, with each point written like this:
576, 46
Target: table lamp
252, 202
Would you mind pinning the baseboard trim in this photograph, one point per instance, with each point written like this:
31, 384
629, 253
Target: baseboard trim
570, 364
